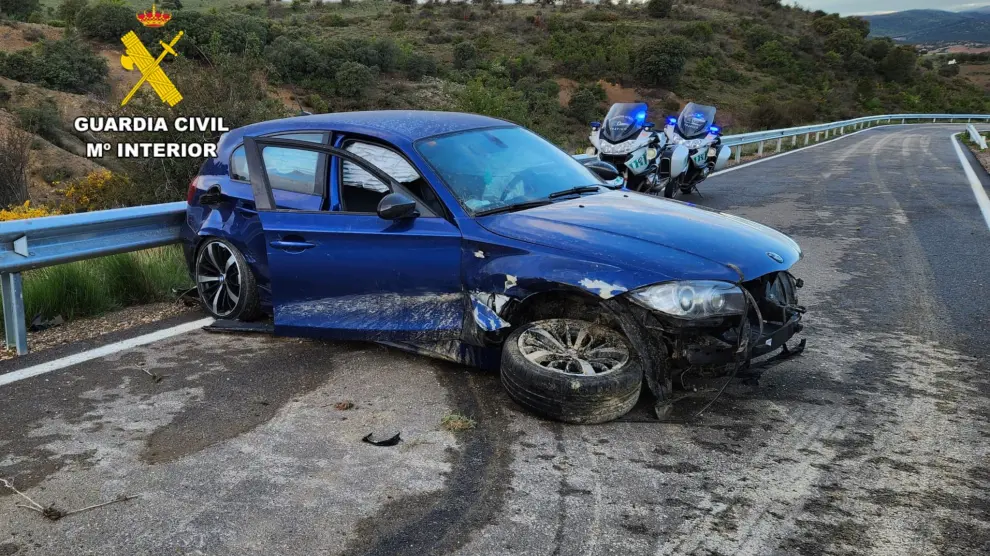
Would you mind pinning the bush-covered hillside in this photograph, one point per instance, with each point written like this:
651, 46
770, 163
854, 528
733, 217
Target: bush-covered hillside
551, 67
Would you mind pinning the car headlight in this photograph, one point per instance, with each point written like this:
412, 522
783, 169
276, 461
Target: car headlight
694, 299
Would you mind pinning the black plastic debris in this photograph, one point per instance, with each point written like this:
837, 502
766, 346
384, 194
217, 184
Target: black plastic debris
40, 323
387, 442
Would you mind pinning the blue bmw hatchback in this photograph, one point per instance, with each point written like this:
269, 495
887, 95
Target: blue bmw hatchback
473, 239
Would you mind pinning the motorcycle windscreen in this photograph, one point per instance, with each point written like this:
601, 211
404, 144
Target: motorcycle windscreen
623, 122
695, 120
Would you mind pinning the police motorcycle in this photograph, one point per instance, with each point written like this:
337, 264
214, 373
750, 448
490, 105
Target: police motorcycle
632, 145
694, 131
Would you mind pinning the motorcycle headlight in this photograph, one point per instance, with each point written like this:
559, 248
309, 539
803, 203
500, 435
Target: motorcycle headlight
624, 147
693, 299
651, 154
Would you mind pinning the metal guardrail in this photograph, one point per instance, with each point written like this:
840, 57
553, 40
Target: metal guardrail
51, 240
835, 128
40, 242
975, 137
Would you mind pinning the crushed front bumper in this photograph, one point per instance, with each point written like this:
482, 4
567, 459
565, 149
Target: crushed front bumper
774, 337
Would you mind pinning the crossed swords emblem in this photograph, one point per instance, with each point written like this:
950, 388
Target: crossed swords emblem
138, 56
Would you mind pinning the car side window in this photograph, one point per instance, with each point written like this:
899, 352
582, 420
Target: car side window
239, 166
361, 192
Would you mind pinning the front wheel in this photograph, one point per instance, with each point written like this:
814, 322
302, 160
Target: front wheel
668, 190
571, 370
226, 285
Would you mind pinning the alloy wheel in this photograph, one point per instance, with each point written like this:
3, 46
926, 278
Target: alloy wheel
574, 347
218, 278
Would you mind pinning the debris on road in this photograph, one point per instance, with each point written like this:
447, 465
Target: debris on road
387, 442
455, 422
39, 323
52, 513
156, 378
344, 405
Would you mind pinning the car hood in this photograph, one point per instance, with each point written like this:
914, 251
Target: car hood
674, 240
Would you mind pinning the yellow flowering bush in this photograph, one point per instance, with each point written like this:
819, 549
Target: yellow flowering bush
99, 190
20, 212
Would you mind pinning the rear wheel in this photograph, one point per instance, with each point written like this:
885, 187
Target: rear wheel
571, 370
226, 285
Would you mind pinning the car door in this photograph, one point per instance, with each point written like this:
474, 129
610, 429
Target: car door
354, 275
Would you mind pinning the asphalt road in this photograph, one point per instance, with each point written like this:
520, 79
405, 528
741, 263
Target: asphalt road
873, 442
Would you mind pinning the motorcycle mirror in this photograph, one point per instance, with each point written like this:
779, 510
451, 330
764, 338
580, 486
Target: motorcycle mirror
595, 126
602, 169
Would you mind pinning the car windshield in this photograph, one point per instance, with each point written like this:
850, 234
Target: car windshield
491, 169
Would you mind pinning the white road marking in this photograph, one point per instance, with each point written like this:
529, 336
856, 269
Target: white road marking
801, 149
102, 351
974, 182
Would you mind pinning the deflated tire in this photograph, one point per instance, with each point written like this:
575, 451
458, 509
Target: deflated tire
571, 370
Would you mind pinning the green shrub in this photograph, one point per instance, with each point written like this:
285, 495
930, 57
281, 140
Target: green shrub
398, 23
66, 65
418, 65
42, 119
698, 30
899, 64
492, 99
844, 41
586, 102
106, 21
352, 79
317, 103
465, 55
660, 62
333, 20
659, 8
69, 9
20, 9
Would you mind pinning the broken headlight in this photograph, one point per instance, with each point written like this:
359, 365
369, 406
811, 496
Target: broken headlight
694, 299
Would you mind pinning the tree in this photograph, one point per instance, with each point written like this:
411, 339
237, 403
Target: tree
69, 9
844, 41
106, 21
899, 64
659, 8
660, 62
19, 9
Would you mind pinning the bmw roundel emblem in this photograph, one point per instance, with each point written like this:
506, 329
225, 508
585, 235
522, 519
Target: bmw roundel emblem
775, 256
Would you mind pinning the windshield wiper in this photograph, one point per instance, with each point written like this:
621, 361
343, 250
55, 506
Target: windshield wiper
575, 191
513, 207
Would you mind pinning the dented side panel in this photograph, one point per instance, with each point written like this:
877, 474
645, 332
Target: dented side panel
357, 276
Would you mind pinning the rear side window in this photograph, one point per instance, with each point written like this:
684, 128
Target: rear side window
293, 170
285, 164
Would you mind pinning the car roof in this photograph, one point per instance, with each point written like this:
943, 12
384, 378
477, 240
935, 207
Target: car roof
411, 125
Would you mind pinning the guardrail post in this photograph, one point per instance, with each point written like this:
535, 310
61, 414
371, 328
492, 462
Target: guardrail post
759, 150
807, 138
902, 121
793, 140
818, 136
738, 153
933, 120
13, 311
842, 130
779, 144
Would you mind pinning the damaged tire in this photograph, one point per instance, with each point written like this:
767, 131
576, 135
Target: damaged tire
571, 370
225, 283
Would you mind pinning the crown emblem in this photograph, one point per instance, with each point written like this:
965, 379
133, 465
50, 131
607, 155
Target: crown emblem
154, 18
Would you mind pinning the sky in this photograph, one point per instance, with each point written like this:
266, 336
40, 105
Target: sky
850, 7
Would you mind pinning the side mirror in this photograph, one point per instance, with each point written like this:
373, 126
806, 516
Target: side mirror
396, 206
604, 170
649, 125
595, 126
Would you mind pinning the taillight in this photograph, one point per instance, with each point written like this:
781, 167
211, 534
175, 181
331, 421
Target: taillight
192, 190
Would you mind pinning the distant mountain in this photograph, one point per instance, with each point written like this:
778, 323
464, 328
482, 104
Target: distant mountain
931, 26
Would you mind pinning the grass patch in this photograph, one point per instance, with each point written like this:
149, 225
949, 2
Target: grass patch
96, 286
455, 422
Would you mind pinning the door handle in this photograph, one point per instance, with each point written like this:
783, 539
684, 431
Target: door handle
291, 245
